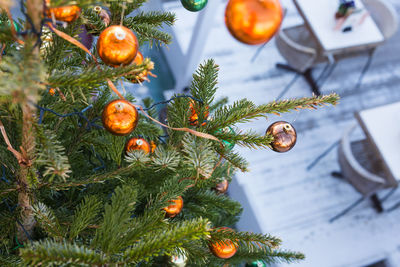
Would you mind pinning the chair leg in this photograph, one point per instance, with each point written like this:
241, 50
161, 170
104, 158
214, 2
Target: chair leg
346, 210
338, 175
287, 67
310, 80
377, 203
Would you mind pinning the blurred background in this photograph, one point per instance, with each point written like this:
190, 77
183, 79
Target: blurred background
333, 196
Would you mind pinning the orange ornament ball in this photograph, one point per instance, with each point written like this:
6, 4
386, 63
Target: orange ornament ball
52, 91
138, 61
223, 249
174, 208
194, 117
120, 117
138, 144
253, 22
63, 13
117, 45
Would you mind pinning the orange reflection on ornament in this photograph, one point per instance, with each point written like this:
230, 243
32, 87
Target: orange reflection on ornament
175, 208
223, 249
117, 45
63, 13
253, 21
153, 146
120, 117
138, 144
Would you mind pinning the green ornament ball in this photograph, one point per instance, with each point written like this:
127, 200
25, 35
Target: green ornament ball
228, 145
256, 264
16, 26
194, 5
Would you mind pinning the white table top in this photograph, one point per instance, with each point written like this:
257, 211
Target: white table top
382, 126
320, 16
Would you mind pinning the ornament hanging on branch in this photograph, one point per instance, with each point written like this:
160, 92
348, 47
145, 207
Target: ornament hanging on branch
284, 134
2, 25
138, 144
120, 117
223, 249
253, 22
228, 145
256, 264
143, 75
174, 208
179, 261
222, 187
64, 13
194, 5
194, 117
117, 45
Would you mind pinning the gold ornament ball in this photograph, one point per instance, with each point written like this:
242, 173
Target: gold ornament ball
222, 187
223, 249
64, 13
120, 117
117, 45
138, 144
174, 208
253, 22
284, 134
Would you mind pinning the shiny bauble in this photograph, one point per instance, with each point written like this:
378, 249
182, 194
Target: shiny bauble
194, 117
253, 22
256, 264
63, 13
52, 91
174, 208
179, 261
117, 45
223, 249
194, 5
120, 117
16, 26
222, 187
140, 77
284, 134
228, 145
138, 144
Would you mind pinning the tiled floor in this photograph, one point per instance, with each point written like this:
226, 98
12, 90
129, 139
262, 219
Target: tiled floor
288, 200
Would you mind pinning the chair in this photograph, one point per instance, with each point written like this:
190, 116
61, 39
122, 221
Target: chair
361, 168
301, 52
384, 15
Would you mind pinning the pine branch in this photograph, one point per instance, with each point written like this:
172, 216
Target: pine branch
163, 241
92, 76
84, 215
116, 220
153, 18
47, 220
244, 110
50, 253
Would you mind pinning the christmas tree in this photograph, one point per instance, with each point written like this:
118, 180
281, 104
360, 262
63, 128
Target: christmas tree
89, 176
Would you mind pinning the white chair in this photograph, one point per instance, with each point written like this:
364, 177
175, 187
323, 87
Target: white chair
300, 50
384, 15
362, 169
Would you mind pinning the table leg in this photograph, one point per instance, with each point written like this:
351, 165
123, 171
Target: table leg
377, 203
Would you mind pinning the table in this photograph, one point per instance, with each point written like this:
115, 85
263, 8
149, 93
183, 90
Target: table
382, 128
319, 17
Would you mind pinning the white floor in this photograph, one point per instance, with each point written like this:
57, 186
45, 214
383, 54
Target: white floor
287, 200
